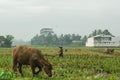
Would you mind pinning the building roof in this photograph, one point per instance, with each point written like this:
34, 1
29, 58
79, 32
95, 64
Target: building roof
103, 35
116, 39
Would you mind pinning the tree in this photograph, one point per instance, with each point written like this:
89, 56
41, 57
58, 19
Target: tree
46, 31
99, 31
55, 39
96, 32
106, 32
84, 40
35, 40
76, 37
49, 39
1, 41
42, 40
67, 39
8, 41
61, 39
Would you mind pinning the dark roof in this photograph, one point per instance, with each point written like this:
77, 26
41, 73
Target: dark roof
103, 35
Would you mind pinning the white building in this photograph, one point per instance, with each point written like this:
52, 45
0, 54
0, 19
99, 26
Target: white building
103, 41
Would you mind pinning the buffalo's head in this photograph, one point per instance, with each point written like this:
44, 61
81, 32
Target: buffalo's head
48, 69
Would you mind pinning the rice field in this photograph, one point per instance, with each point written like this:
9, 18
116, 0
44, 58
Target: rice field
77, 64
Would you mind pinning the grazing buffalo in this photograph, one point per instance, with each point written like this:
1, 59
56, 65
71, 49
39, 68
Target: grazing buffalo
26, 55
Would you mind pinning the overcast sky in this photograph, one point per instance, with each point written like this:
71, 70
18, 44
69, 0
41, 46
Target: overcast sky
24, 18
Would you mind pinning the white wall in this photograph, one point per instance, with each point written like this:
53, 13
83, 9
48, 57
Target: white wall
115, 42
90, 42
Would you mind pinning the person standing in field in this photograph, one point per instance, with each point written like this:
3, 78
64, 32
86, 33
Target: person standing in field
61, 52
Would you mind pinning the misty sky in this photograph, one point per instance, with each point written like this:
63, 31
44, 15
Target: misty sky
24, 18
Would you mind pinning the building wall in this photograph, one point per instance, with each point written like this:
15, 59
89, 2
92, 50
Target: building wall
106, 44
104, 41
90, 42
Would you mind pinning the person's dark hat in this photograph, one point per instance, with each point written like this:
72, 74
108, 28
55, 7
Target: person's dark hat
60, 47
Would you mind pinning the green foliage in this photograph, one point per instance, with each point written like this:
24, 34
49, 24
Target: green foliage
7, 41
99, 31
106, 32
49, 38
6, 76
84, 40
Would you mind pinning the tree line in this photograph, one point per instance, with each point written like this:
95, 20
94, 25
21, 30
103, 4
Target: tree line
6, 41
54, 40
99, 31
47, 37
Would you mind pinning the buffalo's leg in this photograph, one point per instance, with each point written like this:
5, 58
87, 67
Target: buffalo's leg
20, 69
33, 69
14, 65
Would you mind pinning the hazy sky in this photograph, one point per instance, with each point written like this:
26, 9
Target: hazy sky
24, 18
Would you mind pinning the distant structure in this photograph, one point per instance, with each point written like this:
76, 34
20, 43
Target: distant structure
103, 41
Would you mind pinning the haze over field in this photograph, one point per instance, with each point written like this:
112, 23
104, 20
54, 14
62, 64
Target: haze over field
24, 18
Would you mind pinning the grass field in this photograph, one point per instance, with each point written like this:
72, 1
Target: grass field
77, 64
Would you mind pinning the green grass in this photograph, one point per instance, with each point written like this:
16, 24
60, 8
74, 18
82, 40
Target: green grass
84, 64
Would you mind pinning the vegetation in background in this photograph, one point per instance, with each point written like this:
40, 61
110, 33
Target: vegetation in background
6, 41
47, 37
99, 31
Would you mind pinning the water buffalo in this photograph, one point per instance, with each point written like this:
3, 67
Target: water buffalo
26, 55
